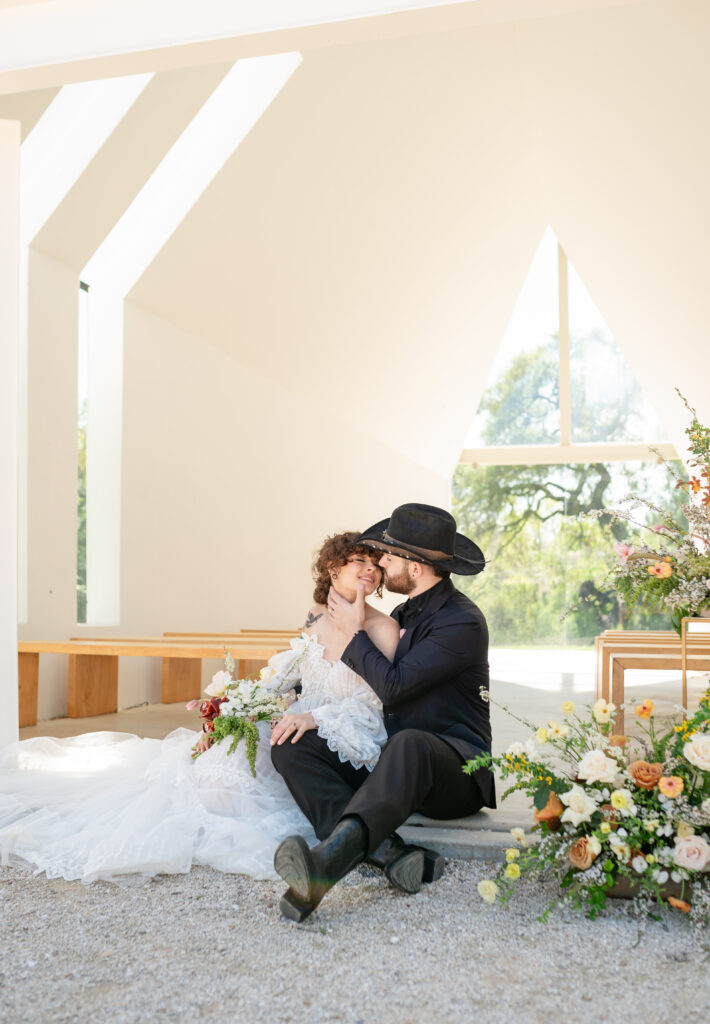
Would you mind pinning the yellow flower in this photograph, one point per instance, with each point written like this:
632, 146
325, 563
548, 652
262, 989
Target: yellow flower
605, 827
602, 711
594, 845
620, 799
541, 734
512, 854
651, 824
512, 871
487, 890
671, 786
568, 707
645, 709
555, 731
519, 835
684, 830
650, 859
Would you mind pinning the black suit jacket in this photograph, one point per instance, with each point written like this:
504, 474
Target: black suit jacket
433, 683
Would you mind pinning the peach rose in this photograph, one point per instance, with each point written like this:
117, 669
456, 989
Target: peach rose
671, 785
581, 854
551, 812
679, 904
645, 774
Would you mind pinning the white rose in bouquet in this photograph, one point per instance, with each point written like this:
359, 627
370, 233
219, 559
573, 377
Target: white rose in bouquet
692, 853
697, 751
595, 766
220, 682
579, 807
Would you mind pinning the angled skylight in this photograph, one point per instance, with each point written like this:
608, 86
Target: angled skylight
204, 147
65, 140
187, 169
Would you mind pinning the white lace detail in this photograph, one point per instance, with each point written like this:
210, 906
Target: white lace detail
347, 712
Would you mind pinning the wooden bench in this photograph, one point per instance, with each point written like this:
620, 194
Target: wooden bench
619, 650
93, 668
181, 677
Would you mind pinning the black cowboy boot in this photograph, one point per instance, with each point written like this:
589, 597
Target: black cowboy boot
403, 865
309, 874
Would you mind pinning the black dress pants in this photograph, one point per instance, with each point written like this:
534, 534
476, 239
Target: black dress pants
417, 771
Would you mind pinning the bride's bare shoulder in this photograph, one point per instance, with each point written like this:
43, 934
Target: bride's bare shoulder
382, 630
314, 618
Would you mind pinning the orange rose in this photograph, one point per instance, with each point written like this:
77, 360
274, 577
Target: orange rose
646, 775
679, 904
580, 855
644, 710
551, 812
671, 785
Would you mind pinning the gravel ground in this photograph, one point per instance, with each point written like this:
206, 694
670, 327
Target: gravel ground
213, 947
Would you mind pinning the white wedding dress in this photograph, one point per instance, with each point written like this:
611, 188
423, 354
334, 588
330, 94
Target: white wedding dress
112, 806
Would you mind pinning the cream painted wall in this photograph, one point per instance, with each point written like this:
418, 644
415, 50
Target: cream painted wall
9, 360
618, 105
52, 469
230, 482
382, 214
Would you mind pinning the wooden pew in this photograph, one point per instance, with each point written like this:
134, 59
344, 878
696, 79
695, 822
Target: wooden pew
93, 668
181, 678
619, 650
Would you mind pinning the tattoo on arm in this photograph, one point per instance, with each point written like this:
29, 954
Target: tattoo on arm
312, 618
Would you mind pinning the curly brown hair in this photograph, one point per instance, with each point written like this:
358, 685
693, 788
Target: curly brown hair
334, 552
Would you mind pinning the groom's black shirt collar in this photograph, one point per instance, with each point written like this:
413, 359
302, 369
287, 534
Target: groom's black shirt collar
406, 613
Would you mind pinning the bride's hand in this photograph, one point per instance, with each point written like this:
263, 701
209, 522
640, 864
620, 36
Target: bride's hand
292, 726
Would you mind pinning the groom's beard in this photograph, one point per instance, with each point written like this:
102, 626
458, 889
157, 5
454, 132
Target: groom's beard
400, 584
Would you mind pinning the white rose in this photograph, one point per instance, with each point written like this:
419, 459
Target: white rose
622, 850
692, 853
266, 673
516, 749
639, 864
220, 682
697, 751
595, 766
579, 807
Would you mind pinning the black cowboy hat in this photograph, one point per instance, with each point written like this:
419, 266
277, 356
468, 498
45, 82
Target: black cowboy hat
424, 533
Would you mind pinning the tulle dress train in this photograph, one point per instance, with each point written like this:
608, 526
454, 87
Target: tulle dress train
116, 807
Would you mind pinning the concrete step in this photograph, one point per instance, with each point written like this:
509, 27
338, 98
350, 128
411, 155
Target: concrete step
483, 836
459, 843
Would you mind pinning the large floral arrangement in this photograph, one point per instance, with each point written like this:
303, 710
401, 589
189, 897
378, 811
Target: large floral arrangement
235, 706
671, 569
613, 813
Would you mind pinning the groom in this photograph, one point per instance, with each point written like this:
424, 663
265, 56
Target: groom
433, 711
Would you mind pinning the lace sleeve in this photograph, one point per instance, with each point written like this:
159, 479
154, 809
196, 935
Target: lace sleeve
353, 728
284, 668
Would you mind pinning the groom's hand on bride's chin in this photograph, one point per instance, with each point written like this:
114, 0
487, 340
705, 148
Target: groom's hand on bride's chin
347, 616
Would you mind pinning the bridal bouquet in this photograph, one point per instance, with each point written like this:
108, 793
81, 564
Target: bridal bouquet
234, 708
616, 815
671, 569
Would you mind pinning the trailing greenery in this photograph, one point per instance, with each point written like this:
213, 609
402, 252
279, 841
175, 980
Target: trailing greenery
238, 728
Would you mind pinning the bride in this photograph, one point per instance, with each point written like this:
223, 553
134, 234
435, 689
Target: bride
114, 806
